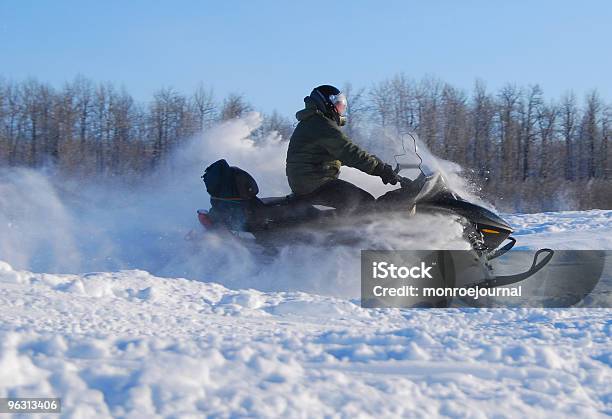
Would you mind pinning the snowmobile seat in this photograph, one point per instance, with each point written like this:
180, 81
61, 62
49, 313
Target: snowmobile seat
278, 211
234, 201
276, 201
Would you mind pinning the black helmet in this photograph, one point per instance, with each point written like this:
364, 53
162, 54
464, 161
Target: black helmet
328, 100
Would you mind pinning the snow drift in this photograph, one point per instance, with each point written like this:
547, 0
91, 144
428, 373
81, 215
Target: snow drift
129, 344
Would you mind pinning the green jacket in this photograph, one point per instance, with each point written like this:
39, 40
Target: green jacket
318, 148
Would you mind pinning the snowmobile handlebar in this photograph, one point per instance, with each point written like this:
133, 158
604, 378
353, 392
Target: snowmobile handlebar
399, 166
406, 183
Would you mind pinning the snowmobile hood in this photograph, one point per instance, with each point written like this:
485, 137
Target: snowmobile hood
309, 110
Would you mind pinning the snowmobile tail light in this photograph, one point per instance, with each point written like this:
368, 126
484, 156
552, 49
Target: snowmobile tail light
486, 230
205, 219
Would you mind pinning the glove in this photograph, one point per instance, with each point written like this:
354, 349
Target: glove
386, 173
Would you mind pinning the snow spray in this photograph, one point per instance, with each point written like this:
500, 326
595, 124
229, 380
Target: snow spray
77, 226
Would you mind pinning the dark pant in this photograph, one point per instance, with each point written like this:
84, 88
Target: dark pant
342, 195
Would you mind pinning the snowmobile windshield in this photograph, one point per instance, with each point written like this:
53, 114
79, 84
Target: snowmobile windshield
410, 161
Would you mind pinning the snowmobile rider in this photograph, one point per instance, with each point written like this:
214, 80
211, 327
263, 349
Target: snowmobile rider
318, 148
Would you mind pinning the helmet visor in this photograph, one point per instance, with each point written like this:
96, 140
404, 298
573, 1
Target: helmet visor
339, 101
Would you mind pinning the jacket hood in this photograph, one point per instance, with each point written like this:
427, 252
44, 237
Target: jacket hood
310, 108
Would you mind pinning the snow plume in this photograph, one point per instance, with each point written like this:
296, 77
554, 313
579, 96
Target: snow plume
75, 226
394, 147
35, 226
453, 172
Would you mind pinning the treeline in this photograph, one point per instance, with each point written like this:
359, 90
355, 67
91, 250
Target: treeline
97, 129
526, 153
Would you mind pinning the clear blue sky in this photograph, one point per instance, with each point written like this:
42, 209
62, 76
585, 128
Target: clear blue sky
275, 52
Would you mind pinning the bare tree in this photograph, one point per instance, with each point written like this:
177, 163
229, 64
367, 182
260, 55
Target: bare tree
381, 96
528, 120
204, 105
356, 110
234, 106
482, 119
508, 98
568, 127
547, 116
4, 141
282, 125
454, 136
170, 121
405, 104
605, 149
11, 116
428, 96
590, 133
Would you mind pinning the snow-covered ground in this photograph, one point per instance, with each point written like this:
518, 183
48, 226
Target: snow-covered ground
130, 344
572, 230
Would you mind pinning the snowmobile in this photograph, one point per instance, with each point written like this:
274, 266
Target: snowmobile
236, 208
